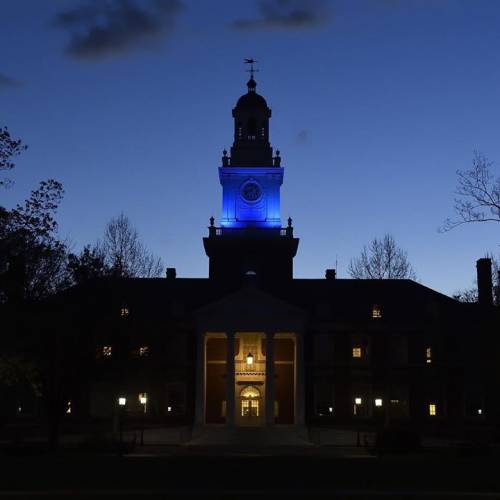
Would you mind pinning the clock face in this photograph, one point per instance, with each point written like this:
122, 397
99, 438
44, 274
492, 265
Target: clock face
251, 191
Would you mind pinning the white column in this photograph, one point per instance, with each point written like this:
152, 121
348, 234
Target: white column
299, 379
200, 377
230, 373
269, 378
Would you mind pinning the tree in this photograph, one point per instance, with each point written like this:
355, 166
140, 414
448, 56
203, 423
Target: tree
32, 259
9, 148
478, 195
382, 259
124, 254
88, 265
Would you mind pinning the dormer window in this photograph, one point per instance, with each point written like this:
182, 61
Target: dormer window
124, 312
376, 311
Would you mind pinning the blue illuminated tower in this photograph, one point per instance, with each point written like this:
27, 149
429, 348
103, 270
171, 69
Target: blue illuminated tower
250, 237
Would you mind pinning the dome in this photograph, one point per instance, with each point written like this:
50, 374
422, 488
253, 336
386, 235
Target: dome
251, 100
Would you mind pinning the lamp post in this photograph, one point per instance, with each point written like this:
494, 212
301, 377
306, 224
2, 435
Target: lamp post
143, 399
122, 401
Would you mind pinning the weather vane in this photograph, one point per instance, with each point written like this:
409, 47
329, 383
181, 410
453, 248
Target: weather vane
251, 70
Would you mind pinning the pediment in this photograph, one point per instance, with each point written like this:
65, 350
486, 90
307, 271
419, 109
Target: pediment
250, 309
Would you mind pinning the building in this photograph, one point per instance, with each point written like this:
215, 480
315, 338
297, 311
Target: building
253, 346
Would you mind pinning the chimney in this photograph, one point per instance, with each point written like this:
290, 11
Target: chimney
171, 273
484, 282
330, 274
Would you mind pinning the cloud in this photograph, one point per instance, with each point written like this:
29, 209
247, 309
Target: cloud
101, 28
7, 82
287, 15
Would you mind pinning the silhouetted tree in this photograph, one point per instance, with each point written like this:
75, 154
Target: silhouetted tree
478, 194
9, 148
382, 259
124, 254
32, 259
87, 265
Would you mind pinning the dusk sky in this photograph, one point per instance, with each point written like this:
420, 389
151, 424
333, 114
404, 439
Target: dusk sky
376, 104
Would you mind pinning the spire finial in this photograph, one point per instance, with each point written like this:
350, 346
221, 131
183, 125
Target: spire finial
251, 84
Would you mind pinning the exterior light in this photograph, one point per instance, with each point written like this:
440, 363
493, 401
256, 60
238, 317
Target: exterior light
249, 358
358, 401
330, 409
19, 409
143, 398
169, 409
122, 401
479, 411
378, 402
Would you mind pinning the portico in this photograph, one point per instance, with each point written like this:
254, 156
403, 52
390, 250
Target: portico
250, 361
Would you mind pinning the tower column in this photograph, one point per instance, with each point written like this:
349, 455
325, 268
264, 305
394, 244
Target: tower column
230, 378
200, 377
299, 379
269, 378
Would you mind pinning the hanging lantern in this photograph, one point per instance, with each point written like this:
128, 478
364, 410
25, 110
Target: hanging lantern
249, 358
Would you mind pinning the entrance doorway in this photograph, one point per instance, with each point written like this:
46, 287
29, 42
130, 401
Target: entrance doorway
250, 407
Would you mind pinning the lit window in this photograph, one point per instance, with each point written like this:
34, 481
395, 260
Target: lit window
68, 408
378, 402
107, 351
143, 398
358, 400
169, 409
428, 355
479, 411
394, 401
143, 350
330, 409
124, 312
432, 409
356, 352
376, 311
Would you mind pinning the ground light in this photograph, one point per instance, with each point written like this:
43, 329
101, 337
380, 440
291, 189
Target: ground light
122, 401
143, 399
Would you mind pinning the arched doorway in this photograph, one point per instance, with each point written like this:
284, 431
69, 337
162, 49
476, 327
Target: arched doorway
250, 405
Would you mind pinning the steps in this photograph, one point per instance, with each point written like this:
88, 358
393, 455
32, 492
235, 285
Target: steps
250, 436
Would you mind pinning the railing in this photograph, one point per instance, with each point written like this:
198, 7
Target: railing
244, 368
285, 232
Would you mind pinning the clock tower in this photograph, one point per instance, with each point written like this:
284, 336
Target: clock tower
250, 238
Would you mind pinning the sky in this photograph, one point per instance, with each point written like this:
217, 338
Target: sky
376, 104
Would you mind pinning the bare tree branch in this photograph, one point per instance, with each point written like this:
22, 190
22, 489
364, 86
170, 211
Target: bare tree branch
382, 259
478, 195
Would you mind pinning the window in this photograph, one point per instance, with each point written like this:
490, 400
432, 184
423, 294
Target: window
378, 402
107, 351
432, 409
144, 350
376, 311
68, 407
428, 355
357, 352
124, 312
358, 400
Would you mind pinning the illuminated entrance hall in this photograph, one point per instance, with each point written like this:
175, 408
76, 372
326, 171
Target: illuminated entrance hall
250, 388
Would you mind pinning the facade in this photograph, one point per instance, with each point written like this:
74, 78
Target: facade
252, 346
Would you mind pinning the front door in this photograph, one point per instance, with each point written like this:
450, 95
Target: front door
250, 409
